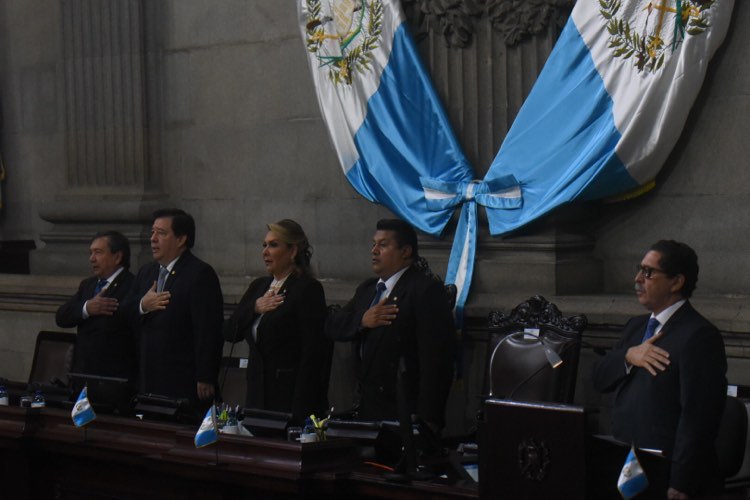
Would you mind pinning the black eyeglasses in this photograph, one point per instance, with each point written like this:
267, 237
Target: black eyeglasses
647, 272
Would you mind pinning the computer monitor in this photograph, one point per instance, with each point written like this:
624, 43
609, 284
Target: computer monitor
106, 394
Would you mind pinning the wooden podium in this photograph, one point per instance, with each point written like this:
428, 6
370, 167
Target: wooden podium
532, 451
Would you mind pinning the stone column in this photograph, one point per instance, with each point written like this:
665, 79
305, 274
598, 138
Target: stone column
111, 179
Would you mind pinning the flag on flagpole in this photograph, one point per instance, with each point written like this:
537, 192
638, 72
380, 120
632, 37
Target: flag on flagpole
632, 479
82, 412
208, 432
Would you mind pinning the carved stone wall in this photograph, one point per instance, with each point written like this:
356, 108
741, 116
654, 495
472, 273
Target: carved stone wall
105, 105
110, 179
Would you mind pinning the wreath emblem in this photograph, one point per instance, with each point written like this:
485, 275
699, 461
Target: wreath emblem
533, 459
343, 34
645, 40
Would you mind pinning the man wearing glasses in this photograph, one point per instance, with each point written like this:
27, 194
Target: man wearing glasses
668, 370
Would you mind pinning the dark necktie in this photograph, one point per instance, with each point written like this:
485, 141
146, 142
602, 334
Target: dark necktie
99, 286
163, 272
379, 290
653, 324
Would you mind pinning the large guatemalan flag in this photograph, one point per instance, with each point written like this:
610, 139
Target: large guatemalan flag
602, 117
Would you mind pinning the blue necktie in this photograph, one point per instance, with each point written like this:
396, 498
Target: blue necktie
163, 272
379, 290
653, 324
99, 285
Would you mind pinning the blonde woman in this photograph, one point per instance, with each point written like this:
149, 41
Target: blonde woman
281, 317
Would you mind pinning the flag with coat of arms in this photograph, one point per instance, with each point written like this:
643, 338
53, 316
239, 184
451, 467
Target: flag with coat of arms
208, 432
82, 413
601, 119
632, 480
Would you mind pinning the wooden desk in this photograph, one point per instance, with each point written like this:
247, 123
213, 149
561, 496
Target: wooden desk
43, 455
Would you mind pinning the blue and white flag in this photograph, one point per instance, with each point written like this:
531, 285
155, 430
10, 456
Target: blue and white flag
208, 432
610, 103
632, 479
82, 412
601, 119
384, 117
390, 131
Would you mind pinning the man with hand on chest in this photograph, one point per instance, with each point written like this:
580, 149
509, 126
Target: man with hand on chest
668, 371
104, 344
399, 319
177, 306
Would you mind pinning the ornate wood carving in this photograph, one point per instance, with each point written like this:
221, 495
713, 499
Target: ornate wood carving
537, 312
456, 19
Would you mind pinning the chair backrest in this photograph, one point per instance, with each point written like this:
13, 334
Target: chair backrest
519, 362
731, 440
53, 358
233, 380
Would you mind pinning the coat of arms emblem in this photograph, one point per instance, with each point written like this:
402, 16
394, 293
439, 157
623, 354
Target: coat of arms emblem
646, 31
342, 34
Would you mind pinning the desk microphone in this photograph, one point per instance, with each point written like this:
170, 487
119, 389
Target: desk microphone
229, 361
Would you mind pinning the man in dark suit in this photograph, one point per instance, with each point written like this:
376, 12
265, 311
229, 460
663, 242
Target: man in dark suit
104, 344
178, 308
407, 325
668, 370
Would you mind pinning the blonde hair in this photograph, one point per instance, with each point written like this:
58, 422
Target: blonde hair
291, 233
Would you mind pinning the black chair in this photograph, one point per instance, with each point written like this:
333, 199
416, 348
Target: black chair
233, 381
51, 366
53, 359
731, 440
533, 353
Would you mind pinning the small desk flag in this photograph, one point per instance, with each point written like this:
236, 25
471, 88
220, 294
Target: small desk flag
632, 478
208, 432
82, 412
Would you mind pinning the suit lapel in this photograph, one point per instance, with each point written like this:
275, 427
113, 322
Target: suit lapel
114, 287
676, 318
177, 270
376, 335
264, 319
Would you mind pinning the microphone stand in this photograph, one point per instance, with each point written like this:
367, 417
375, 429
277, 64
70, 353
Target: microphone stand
407, 469
229, 360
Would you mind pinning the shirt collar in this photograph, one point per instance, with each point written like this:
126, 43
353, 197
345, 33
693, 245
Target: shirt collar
170, 266
667, 313
114, 275
390, 283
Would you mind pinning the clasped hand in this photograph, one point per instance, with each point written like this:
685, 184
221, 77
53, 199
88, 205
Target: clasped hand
155, 301
381, 314
268, 302
648, 356
101, 306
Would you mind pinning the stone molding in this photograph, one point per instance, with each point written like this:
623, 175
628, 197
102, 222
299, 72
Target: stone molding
457, 20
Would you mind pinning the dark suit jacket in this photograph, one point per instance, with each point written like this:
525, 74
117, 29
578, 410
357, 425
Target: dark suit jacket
290, 362
423, 333
678, 410
105, 345
180, 345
